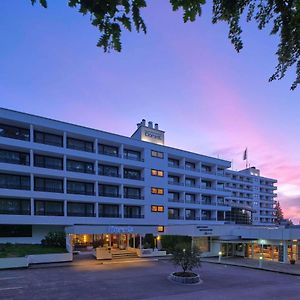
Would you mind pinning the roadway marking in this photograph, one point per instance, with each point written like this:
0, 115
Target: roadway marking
12, 288
7, 278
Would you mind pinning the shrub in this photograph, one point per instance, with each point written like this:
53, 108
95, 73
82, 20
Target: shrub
169, 242
55, 239
148, 241
186, 257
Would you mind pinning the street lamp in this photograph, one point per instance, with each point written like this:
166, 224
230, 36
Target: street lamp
260, 261
220, 255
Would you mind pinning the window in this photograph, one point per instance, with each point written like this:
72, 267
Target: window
80, 145
14, 132
157, 173
190, 198
48, 138
109, 211
174, 163
48, 162
15, 231
106, 170
174, 213
190, 166
48, 208
133, 212
158, 191
173, 179
108, 150
131, 154
8, 181
157, 154
190, 182
190, 214
48, 185
13, 206
79, 209
157, 208
173, 196
206, 168
161, 228
80, 188
14, 157
132, 174
106, 190
132, 193
80, 166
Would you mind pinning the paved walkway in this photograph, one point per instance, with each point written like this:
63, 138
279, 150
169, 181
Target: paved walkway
285, 268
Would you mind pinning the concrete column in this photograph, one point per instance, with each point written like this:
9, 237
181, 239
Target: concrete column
96, 145
31, 158
65, 140
252, 250
31, 139
65, 208
134, 241
31, 207
65, 185
140, 246
127, 238
97, 209
31, 182
285, 252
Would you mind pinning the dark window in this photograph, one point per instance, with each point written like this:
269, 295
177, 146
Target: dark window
80, 145
48, 185
157, 154
132, 193
133, 212
14, 132
132, 174
131, 154
173, 163
190, 166
190, 182
190, 198
82, 188
190, 214
8, 181
15, 231
108, 150
106, 170
48, 208
173, 180
109, 211
206, 168
174, 213
48, 162
78, 209
173, 196
80, 166
10, 206
108, 190
14, 157
48, 138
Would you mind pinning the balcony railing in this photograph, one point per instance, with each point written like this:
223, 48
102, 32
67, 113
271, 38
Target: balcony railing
194, 201
48, 189
110, 215
78, 214
175, 183
133, 158
133, 216
15, 187
14, 212
109, 174
174, 217
77, 192
134, 177
112, 195
175, 200
192, 218
134, 196
109, 153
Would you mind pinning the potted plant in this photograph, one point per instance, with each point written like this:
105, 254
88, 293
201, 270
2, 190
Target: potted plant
187, 258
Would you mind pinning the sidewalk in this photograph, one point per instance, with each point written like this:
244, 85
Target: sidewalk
271, 266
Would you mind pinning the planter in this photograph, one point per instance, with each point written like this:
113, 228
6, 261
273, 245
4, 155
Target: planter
189, 278
292, 261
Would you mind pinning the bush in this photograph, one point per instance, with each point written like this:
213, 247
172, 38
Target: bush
55, 239
148, 241
186, 257
169, 242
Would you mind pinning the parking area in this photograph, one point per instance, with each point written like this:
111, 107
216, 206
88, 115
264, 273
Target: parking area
144, 280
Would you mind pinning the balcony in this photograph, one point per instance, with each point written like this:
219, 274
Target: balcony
15, 187
193, 201
194, 218
113, 154
174, 217
207, 218
78, 192
175, 200
134, 177
81, 214
112, 195
208, 202
175, 183
110, 215
133, 216
116, 175
48, 189
127, 196
175, 166
14, 212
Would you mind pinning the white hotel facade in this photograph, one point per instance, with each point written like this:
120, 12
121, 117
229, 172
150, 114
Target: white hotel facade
98, 185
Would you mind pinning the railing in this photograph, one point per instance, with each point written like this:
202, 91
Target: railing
78, 214
192, 218
15, 187
134, 177
112, 215
133, 158
109, 154
14, 212
48, 189
109, 174
131, 216
134, 197
112, 195
193, 201
172, 217
49, 213
175, 200
80, 171
175, 183
13, 161
175, 166
70, 191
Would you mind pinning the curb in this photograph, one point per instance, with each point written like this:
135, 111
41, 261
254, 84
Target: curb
251, 267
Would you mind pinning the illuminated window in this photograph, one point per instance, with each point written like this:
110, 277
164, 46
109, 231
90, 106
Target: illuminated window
161, 228
158, 191
157, 154
157, 208
158, 173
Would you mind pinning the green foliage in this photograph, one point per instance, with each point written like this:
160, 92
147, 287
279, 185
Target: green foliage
148, 241
55, 239
278, 213
186, 257
111, 16
169, 242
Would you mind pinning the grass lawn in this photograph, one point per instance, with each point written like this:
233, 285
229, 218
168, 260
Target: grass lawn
19, 250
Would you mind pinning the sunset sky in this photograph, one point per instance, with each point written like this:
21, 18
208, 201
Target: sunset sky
186, 77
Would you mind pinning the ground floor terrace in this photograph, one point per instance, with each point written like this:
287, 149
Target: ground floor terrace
144, 280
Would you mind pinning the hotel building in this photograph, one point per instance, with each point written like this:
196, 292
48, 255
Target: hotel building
96, 185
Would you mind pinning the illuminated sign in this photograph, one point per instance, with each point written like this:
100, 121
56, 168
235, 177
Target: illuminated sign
119, 229
152, 136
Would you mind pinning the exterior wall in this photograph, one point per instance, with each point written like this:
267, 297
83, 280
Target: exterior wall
220, 178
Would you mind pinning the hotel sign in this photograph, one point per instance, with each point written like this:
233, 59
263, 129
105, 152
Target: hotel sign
152, 136
120, 229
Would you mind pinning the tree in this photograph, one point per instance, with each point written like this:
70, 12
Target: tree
111, 16
278, 213
55, 239
186, 257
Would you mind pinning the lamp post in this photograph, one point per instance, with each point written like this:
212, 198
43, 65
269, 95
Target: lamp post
260, 261
220, 255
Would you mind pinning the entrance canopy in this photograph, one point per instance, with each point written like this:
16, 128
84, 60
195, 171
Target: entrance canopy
114, 229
